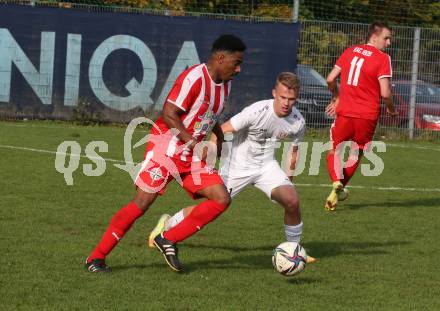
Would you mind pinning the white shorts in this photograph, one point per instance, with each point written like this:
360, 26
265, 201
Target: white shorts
266, 178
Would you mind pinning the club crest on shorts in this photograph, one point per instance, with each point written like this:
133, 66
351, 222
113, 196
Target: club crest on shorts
156, 174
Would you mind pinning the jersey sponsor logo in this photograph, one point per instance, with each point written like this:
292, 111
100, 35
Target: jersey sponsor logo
264, 135
362, 51
261, 110
282, 135
206, 123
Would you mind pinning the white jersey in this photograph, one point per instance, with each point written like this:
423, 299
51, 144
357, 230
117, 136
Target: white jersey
259, 131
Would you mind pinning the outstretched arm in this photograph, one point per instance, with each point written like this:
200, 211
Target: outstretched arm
218, 136
227, 127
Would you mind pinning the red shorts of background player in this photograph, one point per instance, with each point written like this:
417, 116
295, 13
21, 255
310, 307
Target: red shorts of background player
158, 170
360, 131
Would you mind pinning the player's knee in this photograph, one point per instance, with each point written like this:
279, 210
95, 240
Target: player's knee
143, 200
143, 204
292, 205
224, 200
220, 196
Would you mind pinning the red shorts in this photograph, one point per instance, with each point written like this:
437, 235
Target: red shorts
159, 170
360, 131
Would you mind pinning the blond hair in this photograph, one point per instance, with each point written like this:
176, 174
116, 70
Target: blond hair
289, 80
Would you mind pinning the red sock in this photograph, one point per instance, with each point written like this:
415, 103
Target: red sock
332, 167
350, 169
201, 215
119, 225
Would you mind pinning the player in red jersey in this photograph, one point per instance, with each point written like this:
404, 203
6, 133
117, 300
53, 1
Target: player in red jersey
190, 113
365, 72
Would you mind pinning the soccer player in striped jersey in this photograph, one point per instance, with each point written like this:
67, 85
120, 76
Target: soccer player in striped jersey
365, 72
191, 111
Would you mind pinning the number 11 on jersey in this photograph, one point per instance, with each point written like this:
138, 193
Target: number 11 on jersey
356, 62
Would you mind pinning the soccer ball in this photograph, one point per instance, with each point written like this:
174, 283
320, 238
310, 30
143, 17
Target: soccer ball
289, 258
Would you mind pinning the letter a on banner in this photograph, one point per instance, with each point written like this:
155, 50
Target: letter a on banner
187, 57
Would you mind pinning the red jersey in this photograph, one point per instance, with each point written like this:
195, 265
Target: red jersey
202, 101
361, 68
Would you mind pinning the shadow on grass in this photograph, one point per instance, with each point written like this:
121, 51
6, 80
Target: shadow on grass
322, 250
343, 207
319, 250
231, 248
301, 280
260, 257
316, 249
118, 268
240, 262
253, 262
243, 263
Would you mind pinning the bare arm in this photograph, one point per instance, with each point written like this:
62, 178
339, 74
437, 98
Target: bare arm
218, 138
171, 116
218, 134
331, 81
333, 87
227, 127
217, 131
293, 160
385, 92
224, 128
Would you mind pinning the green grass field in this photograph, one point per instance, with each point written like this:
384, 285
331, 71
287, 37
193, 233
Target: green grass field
378, 251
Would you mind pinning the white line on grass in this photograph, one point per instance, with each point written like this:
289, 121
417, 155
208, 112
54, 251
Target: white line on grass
297, 184
62, 153
78, 127
375, 187
40, 126
415, 147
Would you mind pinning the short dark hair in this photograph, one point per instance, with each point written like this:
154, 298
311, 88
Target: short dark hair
228, 42
376, 28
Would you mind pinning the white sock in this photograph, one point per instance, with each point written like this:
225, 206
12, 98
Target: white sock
293, 233
174, 220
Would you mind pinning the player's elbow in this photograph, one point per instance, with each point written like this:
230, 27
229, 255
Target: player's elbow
385, 94
385, 88
169, 118
330, 80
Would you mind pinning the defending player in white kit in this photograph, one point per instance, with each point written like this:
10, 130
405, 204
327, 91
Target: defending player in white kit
257, 131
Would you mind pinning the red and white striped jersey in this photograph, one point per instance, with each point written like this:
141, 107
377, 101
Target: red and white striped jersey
202, 101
